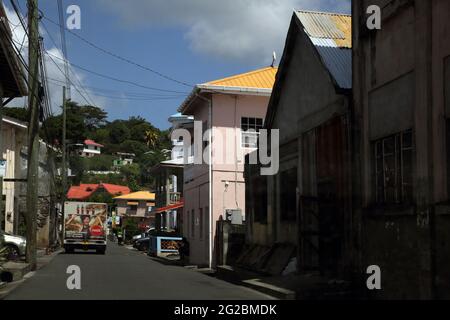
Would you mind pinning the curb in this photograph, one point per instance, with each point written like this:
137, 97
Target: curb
269, 289
248, 279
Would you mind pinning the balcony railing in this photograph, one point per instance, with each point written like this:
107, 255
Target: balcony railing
174, 197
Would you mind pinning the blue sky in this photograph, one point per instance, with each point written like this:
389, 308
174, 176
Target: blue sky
194, 41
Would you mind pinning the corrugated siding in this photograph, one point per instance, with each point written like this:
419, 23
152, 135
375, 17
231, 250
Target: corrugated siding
320, 25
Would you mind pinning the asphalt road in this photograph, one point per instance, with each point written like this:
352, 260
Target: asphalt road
125, 274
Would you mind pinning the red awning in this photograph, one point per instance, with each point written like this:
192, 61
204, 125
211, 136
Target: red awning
171, 207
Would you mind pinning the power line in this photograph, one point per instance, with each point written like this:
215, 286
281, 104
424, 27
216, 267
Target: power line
62, 72
103, 95
110, 53
16, 9
116, 79
125, 97
66, 65
129, 94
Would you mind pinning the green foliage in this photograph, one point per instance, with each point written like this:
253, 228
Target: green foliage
131, 227
94, 118
16, 113
119, 132
111, 178
135, 135
102, 197
164, 141
82, 121
132, 146
131, 174
101, 135
103, 162
77, 164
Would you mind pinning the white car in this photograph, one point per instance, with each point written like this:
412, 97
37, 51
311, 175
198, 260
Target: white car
15, 245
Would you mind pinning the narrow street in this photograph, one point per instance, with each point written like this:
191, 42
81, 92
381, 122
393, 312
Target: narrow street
125, 274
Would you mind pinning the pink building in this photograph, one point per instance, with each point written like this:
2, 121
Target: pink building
235, 109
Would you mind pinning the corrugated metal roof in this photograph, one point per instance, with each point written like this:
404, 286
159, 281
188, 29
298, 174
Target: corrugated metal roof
339, 62
331, 34
261, 78
320, 25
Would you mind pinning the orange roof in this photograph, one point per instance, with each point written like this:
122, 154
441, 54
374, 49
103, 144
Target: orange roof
261, 78
84, 191
89, 142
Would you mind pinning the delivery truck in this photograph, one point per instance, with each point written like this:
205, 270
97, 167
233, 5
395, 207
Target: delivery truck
85, 225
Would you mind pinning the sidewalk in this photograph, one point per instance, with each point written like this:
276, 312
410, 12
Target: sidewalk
42, 261
289, 287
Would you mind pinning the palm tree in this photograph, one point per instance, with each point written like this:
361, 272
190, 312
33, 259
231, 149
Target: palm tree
151, 138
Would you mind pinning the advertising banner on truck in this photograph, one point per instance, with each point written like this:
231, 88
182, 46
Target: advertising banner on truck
85, 221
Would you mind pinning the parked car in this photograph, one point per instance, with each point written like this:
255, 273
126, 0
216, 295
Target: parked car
138, 239
15, 245
142, 243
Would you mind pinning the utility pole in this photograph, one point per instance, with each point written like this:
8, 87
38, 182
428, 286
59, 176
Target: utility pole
64, 153
62, 32
33, 133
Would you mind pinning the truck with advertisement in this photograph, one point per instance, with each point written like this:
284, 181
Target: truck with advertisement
85, 225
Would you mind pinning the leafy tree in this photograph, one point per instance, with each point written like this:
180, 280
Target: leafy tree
164, 141
102, 197
131, 174
94, 117
77, 165
76, 130
132, 146
138, 132
102, 162
119, 132
101, 136
16, 113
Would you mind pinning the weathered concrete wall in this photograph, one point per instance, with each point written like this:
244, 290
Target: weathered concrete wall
399, 83
307, 90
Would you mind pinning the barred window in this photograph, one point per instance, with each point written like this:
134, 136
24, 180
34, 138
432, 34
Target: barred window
393, 167
250, 128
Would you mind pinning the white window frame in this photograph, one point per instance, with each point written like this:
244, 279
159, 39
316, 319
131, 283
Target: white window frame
250, 132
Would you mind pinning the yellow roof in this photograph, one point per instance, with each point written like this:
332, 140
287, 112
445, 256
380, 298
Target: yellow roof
261, 78
140, 195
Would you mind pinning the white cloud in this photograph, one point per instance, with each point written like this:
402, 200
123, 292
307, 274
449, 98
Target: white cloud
245, 30
56, 77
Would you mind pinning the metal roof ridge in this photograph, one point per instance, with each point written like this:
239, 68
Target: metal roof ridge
323, 12
240, 75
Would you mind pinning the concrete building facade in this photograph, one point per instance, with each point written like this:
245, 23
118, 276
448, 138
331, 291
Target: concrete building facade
306, 206
228, 106
402, 106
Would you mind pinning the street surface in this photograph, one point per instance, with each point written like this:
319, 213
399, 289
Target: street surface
125, 274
